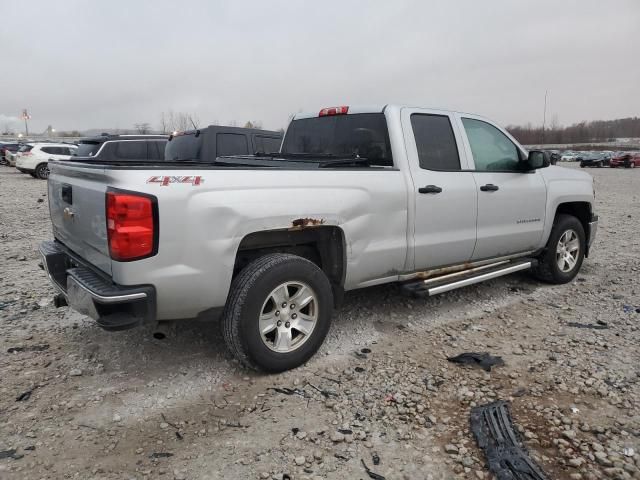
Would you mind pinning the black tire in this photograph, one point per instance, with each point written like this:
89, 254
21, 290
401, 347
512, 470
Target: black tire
249, 291
548, 269
42, 171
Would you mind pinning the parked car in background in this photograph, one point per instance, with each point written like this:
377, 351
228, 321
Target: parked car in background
432, 199
7, 153
121, 148
568, 156
625, 159
593, 159
554, 156
33, 158
216, 141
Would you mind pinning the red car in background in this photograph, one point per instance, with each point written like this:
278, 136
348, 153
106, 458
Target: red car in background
625, 159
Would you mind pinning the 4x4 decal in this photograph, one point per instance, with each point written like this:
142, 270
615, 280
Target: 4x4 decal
165, 180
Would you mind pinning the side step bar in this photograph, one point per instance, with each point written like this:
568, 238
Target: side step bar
445, 283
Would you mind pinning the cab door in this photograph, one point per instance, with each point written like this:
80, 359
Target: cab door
511, 198
444, 192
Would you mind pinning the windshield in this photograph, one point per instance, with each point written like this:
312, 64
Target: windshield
362, 135
86, 149
185, 146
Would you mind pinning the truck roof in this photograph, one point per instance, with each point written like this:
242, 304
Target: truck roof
111, 137
212, 128
355, 109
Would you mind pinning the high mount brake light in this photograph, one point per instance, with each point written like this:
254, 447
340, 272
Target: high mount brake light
132, 226
326, 112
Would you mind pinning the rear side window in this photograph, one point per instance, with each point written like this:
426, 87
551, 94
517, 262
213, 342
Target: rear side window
231, 144
347, 136
131, 150
267, 144
50, 150
436, 144
87, 149
25, 148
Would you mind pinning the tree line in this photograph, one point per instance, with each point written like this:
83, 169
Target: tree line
583, 132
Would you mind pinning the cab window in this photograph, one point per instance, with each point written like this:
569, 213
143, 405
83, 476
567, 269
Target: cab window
492, 150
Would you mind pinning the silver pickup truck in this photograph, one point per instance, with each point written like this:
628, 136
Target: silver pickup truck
432, 199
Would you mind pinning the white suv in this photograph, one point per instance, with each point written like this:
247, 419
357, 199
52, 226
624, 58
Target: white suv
33, 158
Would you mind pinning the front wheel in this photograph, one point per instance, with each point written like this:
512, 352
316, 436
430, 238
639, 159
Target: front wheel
564, 253
278, 312
42, 171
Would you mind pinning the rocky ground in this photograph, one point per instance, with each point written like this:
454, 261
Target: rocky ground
78, 402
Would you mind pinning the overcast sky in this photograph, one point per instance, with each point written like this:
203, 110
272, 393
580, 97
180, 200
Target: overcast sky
87, 64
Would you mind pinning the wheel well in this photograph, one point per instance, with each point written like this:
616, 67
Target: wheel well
580, 210
322, 245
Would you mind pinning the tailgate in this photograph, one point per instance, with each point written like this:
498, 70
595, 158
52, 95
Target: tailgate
77, 206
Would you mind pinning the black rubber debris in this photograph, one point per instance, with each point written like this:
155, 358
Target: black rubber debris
482, 359
359, 369
345, 431
31, 348
373, 475
10, 454
588, 325
507, 458
161, 455
24, 396
288, 391
375, 459
365, 350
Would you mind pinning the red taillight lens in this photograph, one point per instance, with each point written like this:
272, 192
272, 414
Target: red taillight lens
131, 226
325, 112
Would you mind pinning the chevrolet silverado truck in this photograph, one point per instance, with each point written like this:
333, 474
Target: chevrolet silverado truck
431, 199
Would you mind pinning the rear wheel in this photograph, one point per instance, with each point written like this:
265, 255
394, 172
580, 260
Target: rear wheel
564, 253
278, 312
42, 171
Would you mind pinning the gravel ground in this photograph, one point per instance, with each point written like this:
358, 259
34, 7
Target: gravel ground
99, 405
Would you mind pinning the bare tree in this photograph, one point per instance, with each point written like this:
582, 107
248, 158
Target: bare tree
253, 124
142, 128
178, 122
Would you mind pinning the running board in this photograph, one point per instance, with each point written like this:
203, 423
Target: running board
445, 283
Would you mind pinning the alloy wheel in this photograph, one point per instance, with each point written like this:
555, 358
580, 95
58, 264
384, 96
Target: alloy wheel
288, 316
568, 251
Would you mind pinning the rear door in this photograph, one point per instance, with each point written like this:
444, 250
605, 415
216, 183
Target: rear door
77, 208
444, 190
511, 201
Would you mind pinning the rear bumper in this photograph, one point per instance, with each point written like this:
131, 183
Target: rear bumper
92, 293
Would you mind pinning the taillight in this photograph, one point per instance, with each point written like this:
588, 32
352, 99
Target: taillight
132, 226
325, 112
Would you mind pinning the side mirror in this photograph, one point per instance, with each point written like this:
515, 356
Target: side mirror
538, 159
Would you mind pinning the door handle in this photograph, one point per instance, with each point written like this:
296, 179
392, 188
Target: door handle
489, 187
430, 189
